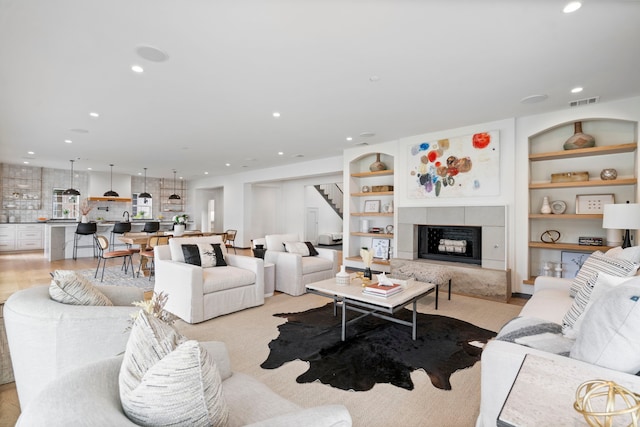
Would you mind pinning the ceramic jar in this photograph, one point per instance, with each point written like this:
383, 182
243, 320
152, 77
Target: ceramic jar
377, 165
579, 139
608, 174
546, 207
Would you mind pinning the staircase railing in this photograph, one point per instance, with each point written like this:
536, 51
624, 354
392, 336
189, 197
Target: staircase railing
333, 195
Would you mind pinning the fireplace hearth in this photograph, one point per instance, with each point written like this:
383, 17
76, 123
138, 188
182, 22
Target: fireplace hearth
450, 243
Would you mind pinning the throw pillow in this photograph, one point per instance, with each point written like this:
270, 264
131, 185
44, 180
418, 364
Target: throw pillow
70, 287
167, 380
599, 262
578, 306
630, 254
301, 248
203, 255
609, 334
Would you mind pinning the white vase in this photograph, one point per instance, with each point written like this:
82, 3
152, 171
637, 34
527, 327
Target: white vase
546, 208
84, 219
178, 230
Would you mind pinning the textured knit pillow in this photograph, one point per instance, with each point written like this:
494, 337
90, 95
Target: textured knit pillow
599, 262
631, 253
167, 380
204, 255
609, 333
578, 306
301, 248
70, 287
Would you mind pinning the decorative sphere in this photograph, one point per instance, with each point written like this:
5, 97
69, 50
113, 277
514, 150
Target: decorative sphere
608, 174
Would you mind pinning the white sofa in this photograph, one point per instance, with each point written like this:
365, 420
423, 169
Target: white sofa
294, 271
48, 339
501, 360
90, 396
196, 294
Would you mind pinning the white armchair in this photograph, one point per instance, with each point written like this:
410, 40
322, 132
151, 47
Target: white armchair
294, 271
196, 294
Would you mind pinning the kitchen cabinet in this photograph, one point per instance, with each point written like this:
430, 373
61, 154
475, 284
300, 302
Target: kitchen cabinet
21, 237
615, 148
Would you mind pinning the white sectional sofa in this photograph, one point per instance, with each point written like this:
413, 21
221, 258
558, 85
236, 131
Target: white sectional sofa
196, 294
90, 396
551, 300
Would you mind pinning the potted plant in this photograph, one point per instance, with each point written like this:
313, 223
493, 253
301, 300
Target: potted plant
179, 224
65, 212
85, 209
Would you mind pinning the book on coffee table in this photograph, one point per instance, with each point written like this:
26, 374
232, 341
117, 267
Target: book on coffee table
382, 291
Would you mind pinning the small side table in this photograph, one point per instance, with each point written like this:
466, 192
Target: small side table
269, 279
544, 391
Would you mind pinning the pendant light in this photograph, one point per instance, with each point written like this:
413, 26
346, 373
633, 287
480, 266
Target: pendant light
111, 193
145, 195
71, 191
174, 196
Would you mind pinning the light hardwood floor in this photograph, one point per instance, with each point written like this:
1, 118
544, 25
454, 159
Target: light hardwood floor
21, 270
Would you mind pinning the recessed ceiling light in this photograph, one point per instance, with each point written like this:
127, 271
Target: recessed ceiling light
367, 134
227, 164
151, 53
349, 138
30, 152
280, 153
68, 141
576, 90
572, 6
137, 69
374, 79
532, 99
276, 114
25, 162
89, 169
94, 114
206, 173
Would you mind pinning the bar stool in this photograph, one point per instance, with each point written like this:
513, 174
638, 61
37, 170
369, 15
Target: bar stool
151, 227
84, 229
119, 228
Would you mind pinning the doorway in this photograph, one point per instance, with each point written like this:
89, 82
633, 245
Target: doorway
311, 226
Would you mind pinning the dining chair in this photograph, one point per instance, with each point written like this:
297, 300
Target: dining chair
230, 239
147, 253
102, 243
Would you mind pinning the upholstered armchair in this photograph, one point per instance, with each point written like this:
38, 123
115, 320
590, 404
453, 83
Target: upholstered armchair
295, 270
197, 293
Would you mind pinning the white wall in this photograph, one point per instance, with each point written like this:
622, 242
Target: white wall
328, 219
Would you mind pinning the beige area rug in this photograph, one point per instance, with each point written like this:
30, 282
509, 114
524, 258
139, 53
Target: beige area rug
247, 334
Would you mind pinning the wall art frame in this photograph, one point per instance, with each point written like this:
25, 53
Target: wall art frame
372, 206
380, 248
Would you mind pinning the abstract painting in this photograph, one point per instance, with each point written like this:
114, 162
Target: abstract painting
465, 166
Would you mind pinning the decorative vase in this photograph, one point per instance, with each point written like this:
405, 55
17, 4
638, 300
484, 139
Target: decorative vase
178, 230
377, 165
608, 174
259, 251
343, 278
367, 273
579, 139
546, 207
84, 219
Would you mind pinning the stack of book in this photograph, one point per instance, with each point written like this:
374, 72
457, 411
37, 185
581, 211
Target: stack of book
381, 291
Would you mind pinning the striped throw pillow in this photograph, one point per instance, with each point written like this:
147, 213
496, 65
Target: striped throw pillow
599, 262
69, 287
166, 379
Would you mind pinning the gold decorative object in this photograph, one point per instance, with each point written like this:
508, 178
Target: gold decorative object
550, 236
597, 401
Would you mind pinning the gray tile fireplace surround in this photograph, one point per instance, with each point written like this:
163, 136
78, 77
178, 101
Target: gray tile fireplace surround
490, 280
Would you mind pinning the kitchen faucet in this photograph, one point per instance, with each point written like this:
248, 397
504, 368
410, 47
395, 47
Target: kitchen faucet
127, 214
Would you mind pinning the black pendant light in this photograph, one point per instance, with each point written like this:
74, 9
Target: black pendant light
71, 191
111, 193
145, 195
174, 196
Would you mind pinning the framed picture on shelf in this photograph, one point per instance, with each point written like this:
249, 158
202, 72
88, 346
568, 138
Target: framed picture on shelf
572, 262
592, 203
372, 206
380, 248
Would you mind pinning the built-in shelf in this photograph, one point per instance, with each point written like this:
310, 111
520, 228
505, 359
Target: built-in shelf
372, 194
568, 247
383, 235
375, 260
584, 152
565, 216
372, 214
109, 199
368, 174
590, 183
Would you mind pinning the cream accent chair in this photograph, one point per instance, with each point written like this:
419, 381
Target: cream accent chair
196, 294
48, 339
293, 271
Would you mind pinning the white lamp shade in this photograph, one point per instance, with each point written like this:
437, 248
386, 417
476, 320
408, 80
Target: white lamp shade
623, 216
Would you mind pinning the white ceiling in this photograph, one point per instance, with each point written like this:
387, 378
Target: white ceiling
441, 64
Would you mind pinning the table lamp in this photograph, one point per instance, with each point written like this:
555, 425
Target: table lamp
621, 216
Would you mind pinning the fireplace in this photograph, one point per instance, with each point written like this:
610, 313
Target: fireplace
450, 243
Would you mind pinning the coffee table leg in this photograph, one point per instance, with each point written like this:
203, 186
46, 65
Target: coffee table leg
344, 320
415, 320
437, 292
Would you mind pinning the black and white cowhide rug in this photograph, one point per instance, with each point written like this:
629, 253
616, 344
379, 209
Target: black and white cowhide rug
376, 350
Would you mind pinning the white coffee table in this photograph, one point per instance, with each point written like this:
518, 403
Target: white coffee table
350, 297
